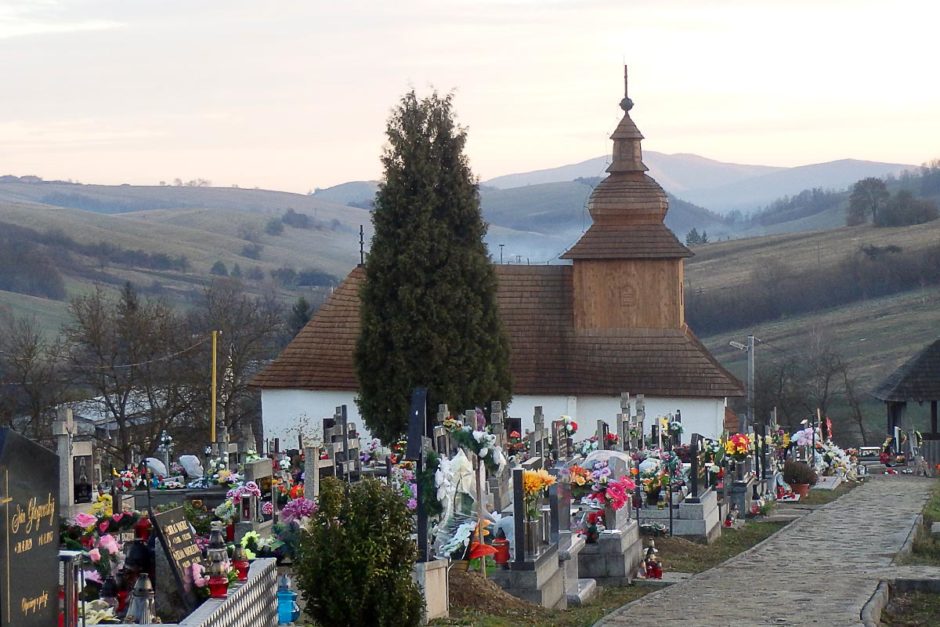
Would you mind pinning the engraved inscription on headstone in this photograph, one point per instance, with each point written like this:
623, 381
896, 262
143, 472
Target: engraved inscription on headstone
29, 532
180, 548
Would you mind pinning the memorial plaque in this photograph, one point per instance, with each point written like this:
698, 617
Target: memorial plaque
29, 533
179, 546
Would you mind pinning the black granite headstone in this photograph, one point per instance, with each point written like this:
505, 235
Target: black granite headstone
417, 422
179, 546
29, 532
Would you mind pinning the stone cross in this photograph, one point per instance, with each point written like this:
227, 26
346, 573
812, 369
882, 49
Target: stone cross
496, 422
62, 429
640, 418
623, 423
539, 440
561, 443
602, 430
439, 435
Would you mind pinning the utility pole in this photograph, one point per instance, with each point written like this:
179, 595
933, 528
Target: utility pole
501, 254
749, 348
215, 336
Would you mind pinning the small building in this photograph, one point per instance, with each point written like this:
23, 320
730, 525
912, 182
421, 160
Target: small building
610, 321
916, 380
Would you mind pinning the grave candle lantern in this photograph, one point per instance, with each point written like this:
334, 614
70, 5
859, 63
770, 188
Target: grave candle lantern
141, 610
218, 581
142, 528
240, 562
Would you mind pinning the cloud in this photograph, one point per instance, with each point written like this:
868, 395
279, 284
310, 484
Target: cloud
44, 17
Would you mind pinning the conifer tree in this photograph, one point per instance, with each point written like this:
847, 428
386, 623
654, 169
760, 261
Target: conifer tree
428, 309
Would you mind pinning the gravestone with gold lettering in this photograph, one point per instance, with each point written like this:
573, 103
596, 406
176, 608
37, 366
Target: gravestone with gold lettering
181, 552
29, 532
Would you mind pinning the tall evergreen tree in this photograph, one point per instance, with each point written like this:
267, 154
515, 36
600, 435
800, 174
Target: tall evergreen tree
428, 310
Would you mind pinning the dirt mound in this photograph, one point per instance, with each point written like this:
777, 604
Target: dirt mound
469, 591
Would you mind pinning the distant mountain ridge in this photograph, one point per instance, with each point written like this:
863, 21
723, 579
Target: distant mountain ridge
715, 185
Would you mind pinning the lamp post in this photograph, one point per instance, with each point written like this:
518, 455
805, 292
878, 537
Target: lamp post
749, 349
166, 444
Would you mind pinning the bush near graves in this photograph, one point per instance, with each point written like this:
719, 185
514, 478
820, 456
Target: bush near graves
356, 557
795, 472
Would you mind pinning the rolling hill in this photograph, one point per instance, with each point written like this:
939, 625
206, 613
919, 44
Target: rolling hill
534, 224
715, 185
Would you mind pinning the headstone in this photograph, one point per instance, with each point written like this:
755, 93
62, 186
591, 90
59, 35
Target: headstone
496, 422
641, 418
559, 440
602, 430
623, 423
29, 501
192, 465
440, 437
157, 467
539, 439
417, 423
62, 430
179, 547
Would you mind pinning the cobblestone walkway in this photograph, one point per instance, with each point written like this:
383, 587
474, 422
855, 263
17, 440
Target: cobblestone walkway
819, 570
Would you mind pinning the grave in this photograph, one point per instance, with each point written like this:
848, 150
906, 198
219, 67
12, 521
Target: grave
499, 485
534, 573
431, 575
29, 501
578, 590
249, 511
174, 586
696, 516
613, 560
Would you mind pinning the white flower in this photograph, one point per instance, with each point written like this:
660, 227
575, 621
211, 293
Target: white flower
479, 436
484, 451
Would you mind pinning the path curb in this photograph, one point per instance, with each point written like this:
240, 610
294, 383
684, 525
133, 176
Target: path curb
871, 611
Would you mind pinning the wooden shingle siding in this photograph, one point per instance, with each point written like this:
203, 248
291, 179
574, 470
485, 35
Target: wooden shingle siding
918, 379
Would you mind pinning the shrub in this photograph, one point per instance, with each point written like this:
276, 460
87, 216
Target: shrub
356, 557
798, 472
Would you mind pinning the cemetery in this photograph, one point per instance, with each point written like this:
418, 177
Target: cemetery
550, 516
520, 505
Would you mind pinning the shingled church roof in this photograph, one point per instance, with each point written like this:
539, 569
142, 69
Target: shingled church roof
547, 357
918, 379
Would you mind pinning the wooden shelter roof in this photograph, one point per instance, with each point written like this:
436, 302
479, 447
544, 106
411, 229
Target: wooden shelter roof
547, 355
918, 379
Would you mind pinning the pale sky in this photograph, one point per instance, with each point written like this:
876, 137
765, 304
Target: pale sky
290, 95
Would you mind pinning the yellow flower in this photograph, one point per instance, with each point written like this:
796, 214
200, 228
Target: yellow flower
534, 481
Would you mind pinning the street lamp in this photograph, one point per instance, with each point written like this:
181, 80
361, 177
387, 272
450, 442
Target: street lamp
749, 349
166, 443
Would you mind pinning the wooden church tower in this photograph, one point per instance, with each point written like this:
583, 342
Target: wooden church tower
628, 267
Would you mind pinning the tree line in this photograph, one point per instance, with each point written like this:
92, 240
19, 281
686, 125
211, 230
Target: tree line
775, 289
871, 199
30, 260
146, 365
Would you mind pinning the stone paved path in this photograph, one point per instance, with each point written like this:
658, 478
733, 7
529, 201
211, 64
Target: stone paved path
819, 570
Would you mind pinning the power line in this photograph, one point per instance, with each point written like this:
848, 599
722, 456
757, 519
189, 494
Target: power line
151, 361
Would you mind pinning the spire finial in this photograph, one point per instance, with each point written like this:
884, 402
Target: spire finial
626, 104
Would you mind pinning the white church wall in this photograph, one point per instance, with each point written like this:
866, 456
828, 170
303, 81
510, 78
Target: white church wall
699, 415
289, 413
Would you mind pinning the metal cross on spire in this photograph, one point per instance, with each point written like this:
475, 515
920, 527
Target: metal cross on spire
626, 104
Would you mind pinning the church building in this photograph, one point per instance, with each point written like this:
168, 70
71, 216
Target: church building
610, 321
